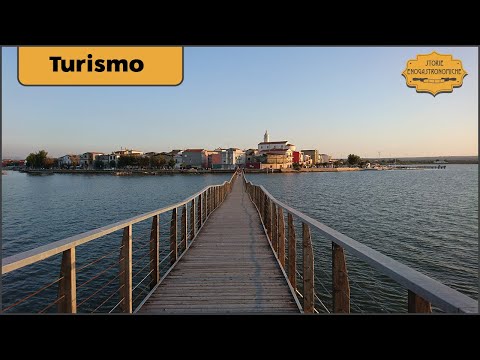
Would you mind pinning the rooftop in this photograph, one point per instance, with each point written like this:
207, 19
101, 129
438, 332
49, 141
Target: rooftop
273, 142
194, 150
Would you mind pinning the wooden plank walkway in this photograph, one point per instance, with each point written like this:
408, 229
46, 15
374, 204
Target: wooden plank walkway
230, 268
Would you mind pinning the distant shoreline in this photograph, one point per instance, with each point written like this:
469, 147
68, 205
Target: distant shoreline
147, 172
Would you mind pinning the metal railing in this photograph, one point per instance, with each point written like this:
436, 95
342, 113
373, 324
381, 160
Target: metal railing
132, 269
423, 291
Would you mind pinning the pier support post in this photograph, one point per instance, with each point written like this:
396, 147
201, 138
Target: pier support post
173, 237
340, 284
67, 287
308, 286
292, 253
154, 250
281, 237
126, 270
417, 304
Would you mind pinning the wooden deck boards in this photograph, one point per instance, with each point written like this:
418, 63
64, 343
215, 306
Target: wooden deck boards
230, 268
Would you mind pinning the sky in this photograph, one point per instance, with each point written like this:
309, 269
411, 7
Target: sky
339, 100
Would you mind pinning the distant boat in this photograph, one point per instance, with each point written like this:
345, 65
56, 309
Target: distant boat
440, 162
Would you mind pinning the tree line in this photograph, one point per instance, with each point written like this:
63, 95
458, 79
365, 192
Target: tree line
153, 162
41, 160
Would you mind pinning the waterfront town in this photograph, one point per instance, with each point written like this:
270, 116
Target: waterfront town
272, 155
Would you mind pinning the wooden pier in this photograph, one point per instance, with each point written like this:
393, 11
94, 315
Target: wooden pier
229, 248
229, 268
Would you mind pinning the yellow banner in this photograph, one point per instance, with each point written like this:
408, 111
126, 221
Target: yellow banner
434, 73
100, 65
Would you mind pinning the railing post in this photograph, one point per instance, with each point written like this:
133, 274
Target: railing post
274, 225
281, 237
173, 237
268, 217
340, 284
154, 244
308, 287
214, 197
199, 212
192, 220
264, 208
417, 304
210, 201
183, 231
126, 270
67, 287
262, 205
292, 253
207, 199
204, 206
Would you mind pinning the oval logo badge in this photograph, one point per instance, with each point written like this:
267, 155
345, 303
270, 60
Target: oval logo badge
434, 73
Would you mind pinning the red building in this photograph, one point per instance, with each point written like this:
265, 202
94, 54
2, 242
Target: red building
297, 157
8, 162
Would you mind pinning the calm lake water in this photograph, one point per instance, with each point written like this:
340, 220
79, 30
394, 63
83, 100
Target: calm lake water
427, 219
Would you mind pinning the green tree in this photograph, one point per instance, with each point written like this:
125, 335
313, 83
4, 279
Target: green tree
143, 162
98, 164
296, 166
42, 158
112, 164
353, 159
48, 163
31, 160
75, 161
154, 162
171, 163
124, 161
38, 160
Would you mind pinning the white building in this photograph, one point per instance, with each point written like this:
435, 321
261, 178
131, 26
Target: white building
128, 152
87, 159
268, 145
324, 158
235, 156
178, 157
68, 160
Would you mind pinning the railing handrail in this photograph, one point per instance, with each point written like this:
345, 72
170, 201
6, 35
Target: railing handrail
432, 290
43, 252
